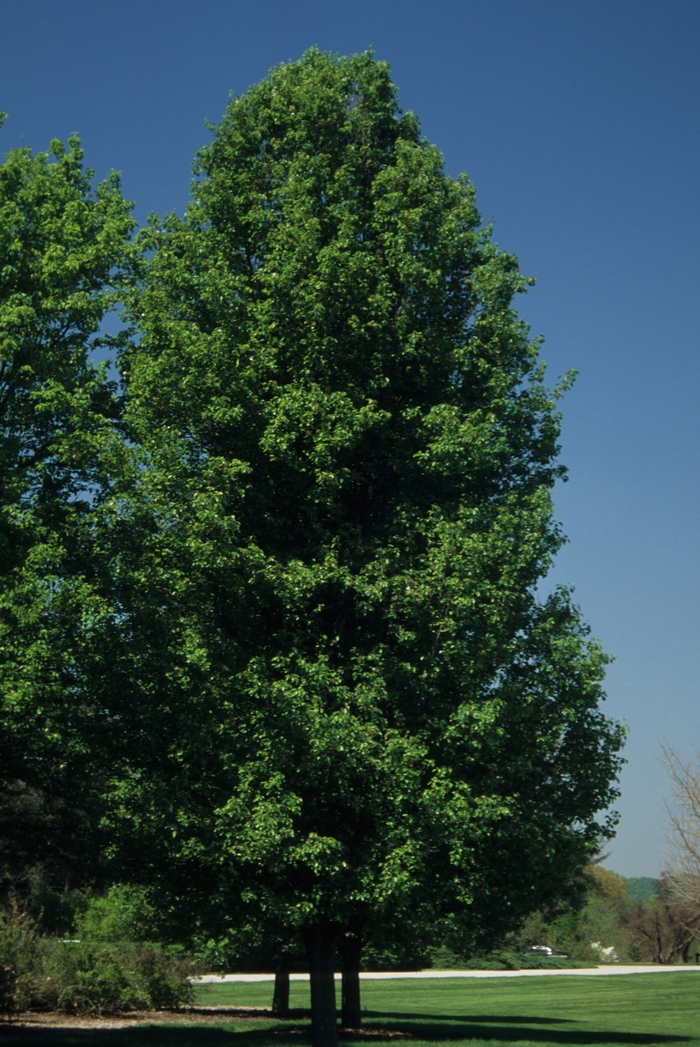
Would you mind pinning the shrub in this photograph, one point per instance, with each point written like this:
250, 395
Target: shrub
93, 977
19, 947
445, 959
123, 914
85, 977
530, 962
499, 960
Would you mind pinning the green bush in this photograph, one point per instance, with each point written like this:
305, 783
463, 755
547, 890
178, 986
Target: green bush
531, 962
123, 914
445, 959
85, 976
93, 977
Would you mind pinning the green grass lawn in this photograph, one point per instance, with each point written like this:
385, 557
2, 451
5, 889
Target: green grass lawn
619, 1011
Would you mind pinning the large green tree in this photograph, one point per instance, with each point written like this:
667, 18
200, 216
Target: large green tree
63, 246
344, 699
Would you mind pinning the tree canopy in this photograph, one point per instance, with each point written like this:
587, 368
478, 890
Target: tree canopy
327, 559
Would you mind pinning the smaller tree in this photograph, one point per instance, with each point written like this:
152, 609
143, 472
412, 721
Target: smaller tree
684, 821
663, 928
683, 881
63, 248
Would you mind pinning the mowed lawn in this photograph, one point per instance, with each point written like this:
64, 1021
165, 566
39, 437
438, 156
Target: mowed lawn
617, 1011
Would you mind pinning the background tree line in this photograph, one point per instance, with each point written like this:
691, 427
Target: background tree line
272, 645
620, 924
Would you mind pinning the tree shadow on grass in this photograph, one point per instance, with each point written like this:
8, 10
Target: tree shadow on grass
483, 1027
515, 1029
519, 1019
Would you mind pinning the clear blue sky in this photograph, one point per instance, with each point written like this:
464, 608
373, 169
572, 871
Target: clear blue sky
579, 124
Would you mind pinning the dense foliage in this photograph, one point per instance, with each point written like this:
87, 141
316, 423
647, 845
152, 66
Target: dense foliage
94, 974
62, 252
283, 612
328, 555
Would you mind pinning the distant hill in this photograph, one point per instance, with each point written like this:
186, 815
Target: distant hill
640, 888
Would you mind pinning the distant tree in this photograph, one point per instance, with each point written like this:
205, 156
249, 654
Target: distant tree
663, 928
62, 248
345, 703
682, 881
684, 820
591, 927
609, 925
640, 888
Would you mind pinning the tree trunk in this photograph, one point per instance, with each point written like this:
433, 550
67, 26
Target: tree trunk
320, 941
280, 997
350, 949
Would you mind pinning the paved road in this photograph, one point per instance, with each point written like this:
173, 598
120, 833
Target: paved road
617, 968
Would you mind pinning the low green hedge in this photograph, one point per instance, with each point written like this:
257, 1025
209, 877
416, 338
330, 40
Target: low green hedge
502, 960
